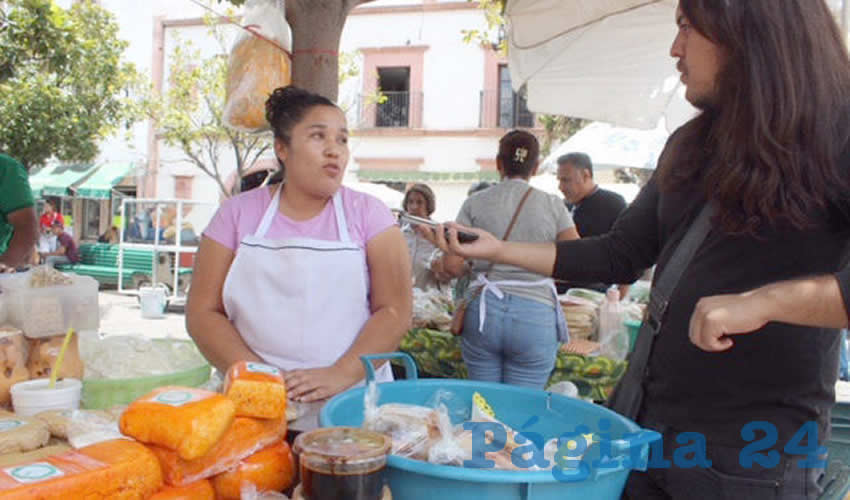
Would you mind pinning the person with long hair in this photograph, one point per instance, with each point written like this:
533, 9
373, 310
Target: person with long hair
769, 155
513, 322
305, 275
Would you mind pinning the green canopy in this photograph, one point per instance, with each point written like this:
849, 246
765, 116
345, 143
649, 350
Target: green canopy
99, 185
54, 180
420, 176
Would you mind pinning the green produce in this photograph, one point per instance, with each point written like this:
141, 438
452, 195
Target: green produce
438, 354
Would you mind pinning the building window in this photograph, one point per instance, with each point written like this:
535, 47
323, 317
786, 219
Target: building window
183, 187
392, 87
513, 110
393, 109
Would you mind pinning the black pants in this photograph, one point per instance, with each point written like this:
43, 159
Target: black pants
726, 479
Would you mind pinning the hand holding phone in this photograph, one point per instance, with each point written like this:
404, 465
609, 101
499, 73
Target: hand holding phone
462, 236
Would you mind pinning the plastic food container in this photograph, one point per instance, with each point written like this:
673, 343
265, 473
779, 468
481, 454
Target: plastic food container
342, 462
51, 310
33, 396
108, 392
10, 282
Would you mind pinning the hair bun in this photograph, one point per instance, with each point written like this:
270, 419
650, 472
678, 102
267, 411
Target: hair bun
287, 106
283, 98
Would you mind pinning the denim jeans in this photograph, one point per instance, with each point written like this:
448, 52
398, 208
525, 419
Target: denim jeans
843, 367
517, 345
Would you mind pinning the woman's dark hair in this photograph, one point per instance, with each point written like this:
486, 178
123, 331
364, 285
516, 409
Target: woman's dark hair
518, 152
286, 107
765, 150
425, 191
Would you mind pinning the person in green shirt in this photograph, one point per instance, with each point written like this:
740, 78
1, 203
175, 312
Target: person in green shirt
18, 223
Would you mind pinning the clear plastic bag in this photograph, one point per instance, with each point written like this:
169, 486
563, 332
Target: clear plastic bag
249, 492
427, 433
52, 302
413, 429
14, 352
87, 428
431, 308
457, 408
259, 63
447, 449
125, 356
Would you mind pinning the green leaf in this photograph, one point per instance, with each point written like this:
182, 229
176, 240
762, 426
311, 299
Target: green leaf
63, 83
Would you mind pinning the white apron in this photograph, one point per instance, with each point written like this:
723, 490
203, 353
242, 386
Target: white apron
299, 302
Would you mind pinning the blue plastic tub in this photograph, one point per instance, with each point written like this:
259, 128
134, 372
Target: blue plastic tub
516, 407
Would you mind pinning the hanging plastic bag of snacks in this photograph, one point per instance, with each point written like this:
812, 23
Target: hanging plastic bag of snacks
259, 63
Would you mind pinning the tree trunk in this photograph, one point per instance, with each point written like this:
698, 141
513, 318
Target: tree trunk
316, 31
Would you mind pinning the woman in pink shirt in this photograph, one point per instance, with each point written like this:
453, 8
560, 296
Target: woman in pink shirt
306, 275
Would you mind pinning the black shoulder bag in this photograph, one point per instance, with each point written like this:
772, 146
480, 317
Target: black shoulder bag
627, 397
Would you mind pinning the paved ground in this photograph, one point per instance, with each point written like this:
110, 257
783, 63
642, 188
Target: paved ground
120, 315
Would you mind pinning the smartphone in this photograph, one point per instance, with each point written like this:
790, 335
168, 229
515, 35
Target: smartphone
462, 236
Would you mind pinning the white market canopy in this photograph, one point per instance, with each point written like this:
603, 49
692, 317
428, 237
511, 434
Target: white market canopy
612, 147
605, 60
388, 195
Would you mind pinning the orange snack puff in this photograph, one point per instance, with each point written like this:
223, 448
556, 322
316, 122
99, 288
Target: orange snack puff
111, 470
188, 421
257, 389
270, 469
199, 490
244, 438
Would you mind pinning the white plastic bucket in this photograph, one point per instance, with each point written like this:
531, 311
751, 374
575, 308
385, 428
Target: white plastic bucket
33, 396
153, 301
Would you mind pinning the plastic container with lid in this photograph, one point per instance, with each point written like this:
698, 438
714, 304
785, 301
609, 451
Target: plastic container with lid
342, 462
51, 310
11, 282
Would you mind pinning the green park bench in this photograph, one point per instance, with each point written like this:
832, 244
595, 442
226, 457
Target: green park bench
100, 261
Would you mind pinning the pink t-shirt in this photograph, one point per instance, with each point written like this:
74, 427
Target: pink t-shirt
239, 216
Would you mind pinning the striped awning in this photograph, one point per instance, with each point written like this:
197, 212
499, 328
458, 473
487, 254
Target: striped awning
56, 180
99, 185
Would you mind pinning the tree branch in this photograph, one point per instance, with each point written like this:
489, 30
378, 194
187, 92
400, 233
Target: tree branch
260, 152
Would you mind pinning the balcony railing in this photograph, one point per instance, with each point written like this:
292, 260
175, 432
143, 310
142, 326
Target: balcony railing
504, 110
391, 109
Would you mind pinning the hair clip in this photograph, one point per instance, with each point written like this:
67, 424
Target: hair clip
520, 154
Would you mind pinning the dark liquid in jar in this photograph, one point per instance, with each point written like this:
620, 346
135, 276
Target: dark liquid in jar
318, 485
